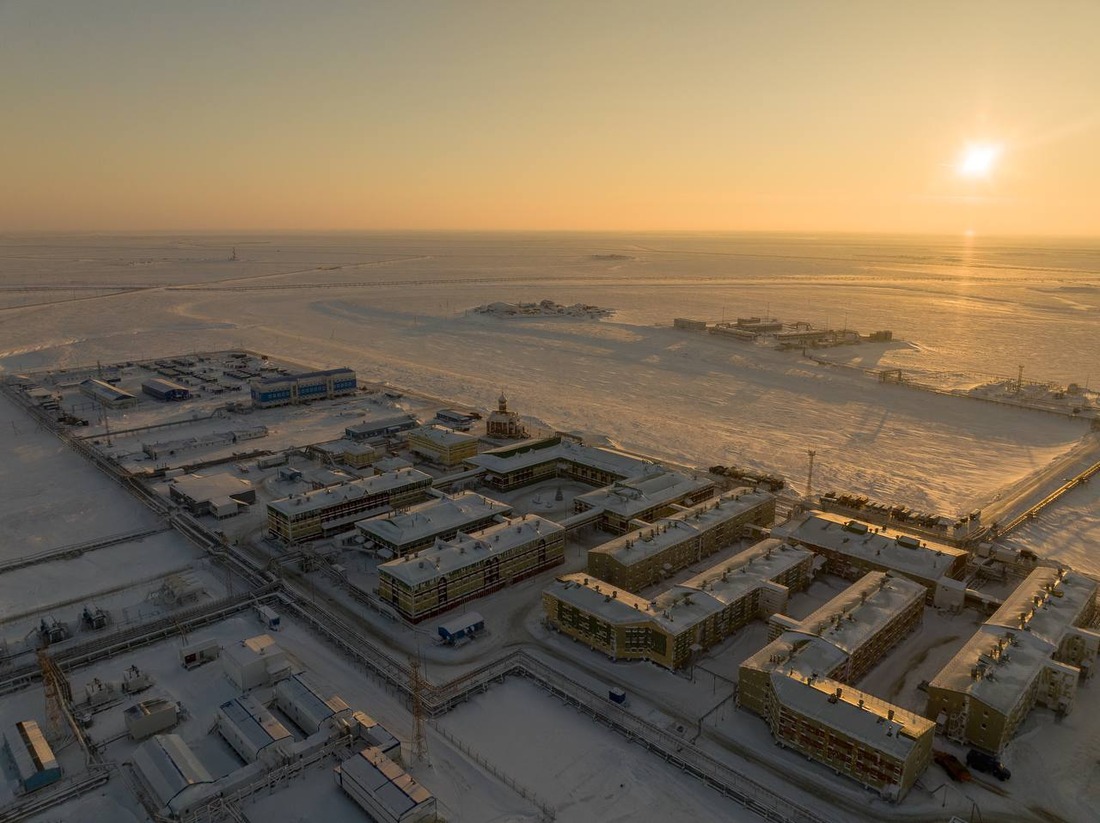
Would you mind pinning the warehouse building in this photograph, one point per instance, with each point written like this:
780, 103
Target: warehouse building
470, 565
283, 390
252, 731
335, 509
387, 425
1032, 651
654, 494
309, 704
686, 619
33, 758
384, 790
653, 551
421, 525
852, 548
107, 395
530, 461
257, 661
211, 494
442, 445
169, 448
161, 389
171, 772
797, 683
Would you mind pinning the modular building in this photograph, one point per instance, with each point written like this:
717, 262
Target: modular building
309, 704
375, 734
335, 509
384, 790
289, 389
107, 395
252, 731
257, 661
469, 566
161, 389
685, 619
33, 758
171, 772
1032, 651
150, 716
655, 493
442, 445
461, 628
852, 548
421, 525
653, 551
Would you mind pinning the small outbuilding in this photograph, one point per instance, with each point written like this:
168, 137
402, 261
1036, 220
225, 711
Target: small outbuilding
251, 730
150, 716
384, 790
33, 758
461, 628
257, 661
171, 771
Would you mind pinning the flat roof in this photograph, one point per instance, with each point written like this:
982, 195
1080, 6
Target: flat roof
283, 378
537, 452
857, 714
656, 487
344, 446
442, 436
863, 609
873, 544
321, 499
467, 549
641, 544
433, 517
1048, 603
381, 421
206, 487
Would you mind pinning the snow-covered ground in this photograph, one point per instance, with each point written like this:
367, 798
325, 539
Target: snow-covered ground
394, 308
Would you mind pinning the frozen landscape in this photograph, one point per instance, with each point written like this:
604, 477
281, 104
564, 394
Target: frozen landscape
401, 311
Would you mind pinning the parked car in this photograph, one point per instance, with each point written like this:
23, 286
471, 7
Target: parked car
952, 765
987, 763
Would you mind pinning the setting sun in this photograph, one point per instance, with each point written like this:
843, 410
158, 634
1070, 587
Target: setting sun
978, 160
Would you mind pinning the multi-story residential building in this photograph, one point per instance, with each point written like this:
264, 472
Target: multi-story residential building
442, 445
335, 509
441, 518
796, 683
470, 565
1032, 651
530, 461
652, 552
852, 548
646, 497
287, 389
686, 618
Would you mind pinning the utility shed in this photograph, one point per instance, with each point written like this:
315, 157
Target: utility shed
308, 703
150, 716
257, 661
32, 756
251, 729
463, 627
383, 789
171, 771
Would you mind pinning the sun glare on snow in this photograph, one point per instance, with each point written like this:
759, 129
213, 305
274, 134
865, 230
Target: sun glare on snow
978, 160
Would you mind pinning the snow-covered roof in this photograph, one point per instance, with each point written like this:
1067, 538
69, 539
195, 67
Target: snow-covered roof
441, 436
380, 423
731, 579
796, 653
243, 653
252, 721
433, 517
873, 544
640, 544
385, 782
309, 696
169, 767
627, 498
598, 597
448, 556
104, 390
861, 610
1047, 603
882, 726
996, 666
205, 487
321, 499
344, 446
537, 452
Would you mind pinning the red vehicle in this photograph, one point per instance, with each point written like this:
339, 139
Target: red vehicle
952, 765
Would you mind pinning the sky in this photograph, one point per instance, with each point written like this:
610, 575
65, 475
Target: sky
135, 115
